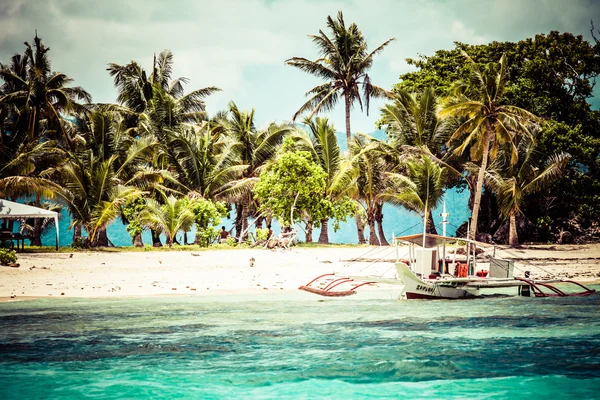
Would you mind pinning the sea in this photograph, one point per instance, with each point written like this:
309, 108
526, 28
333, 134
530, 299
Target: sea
295, 345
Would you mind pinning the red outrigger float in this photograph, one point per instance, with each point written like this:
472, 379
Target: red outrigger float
327, 289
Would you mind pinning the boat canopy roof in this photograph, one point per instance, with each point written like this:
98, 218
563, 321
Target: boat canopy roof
436, 240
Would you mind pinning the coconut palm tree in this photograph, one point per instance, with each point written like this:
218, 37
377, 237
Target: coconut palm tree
414, 129
255, 149
99, 179
512, 183
156, 104
422, 187
170, 217
489, 124
411, 120
206, 162
343, 64
363, 176
37, 98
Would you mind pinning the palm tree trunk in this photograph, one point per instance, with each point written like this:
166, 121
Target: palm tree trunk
324, 236
259, 222
238, 220
36, 236
379, 221
309, 232
513, 236
348, 105
155, 238
137, 241
373, 239
244, 231
76, 233
360, 229
101, 238
431, 224
478, 189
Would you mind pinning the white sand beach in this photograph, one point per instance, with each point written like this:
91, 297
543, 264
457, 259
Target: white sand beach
215, 272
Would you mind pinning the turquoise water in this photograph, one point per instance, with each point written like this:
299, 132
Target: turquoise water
396, 221
296, 345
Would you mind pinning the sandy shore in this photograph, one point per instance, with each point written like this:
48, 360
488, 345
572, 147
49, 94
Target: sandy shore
213, 272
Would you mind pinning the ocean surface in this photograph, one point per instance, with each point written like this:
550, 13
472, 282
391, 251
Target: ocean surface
300, 346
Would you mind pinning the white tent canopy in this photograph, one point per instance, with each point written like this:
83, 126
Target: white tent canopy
12, 210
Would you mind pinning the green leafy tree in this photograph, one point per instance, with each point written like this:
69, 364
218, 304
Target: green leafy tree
207, 217
322, 143
552, 75
131, 213
343, 63
489, 122
293, 188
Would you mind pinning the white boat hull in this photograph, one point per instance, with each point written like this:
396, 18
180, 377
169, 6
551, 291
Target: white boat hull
417, 288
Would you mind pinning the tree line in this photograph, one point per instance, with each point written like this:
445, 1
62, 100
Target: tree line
509, 121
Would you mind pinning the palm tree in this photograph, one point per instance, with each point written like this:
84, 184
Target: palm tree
489, 123
411, 121
155, 104
37, 98
363, 176
170, 217
413, 129
422, 188
513, 182
207, 163
255, 149
99, 179
343, 64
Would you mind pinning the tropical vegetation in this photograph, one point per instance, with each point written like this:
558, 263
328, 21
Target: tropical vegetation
510, 122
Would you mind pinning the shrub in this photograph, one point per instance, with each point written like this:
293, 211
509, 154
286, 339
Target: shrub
262, 234
7, 257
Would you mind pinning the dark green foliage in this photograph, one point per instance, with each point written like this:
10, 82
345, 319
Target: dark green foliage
293, 190
131, 212
552, 76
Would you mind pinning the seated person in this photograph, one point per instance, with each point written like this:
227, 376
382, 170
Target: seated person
223, 234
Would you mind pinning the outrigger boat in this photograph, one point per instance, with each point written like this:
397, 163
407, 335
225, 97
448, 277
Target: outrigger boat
428, 269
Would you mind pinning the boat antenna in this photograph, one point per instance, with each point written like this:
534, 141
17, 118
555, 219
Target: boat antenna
444, 216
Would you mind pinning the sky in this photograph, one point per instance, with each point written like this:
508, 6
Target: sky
241, 46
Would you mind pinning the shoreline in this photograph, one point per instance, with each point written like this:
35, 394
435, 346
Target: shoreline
223, 273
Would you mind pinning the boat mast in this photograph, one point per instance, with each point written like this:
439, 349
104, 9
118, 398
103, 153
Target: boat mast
444, 216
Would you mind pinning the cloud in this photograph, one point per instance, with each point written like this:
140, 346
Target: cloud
241, 45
